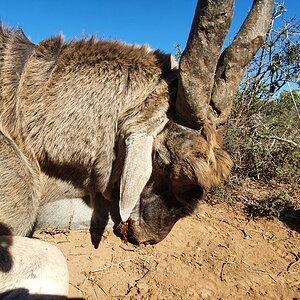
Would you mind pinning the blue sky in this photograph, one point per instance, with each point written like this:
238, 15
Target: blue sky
159, 23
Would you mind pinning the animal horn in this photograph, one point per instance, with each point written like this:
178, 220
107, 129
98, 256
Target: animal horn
209, 79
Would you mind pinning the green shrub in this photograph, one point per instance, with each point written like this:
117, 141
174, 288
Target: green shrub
263, 139
274, 204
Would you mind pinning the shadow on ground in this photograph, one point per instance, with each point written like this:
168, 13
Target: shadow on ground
23, 294
291, 217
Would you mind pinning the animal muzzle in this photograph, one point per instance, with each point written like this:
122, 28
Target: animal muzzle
138, 232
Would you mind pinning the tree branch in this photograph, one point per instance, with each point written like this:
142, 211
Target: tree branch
274, 137
237, 56
198, 62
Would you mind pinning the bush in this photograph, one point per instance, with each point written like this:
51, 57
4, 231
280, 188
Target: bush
263, 139
273, 205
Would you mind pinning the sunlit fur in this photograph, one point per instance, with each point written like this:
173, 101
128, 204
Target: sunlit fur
197, 158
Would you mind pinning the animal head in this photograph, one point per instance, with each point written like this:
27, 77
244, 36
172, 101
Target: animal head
187, 155
186, 164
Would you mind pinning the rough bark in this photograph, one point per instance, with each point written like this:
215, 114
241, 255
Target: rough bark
237, 56
208, 81
198, 62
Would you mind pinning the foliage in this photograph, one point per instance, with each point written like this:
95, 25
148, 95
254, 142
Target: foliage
273, 204
178, 51
264, 139
263, 133
278, 61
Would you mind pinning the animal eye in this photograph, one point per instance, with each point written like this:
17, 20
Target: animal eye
163, 163
189, 194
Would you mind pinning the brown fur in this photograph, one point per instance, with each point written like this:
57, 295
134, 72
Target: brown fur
197, 159
67, 110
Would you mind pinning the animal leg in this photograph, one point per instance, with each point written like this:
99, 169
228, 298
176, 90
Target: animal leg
19, 188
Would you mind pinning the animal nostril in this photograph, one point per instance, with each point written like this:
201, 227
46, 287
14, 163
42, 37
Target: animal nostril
137, 234
131, 232
123, 230
126, 231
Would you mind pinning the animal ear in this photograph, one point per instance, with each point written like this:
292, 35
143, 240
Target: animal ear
137, 170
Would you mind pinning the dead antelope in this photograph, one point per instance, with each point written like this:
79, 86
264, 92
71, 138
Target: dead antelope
105, 120
88, 117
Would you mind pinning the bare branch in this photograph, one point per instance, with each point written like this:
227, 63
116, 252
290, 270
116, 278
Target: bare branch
274, 137
294, 101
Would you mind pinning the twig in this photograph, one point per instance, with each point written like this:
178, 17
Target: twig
246, 235
101, 288
260, 271
86, 277
78, 254
112, 265
283, 140
227, 262
279, 139
62, 242
294, 101
291, 265
76, 287
129, 249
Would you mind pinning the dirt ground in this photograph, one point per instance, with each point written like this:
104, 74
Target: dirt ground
215, 254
